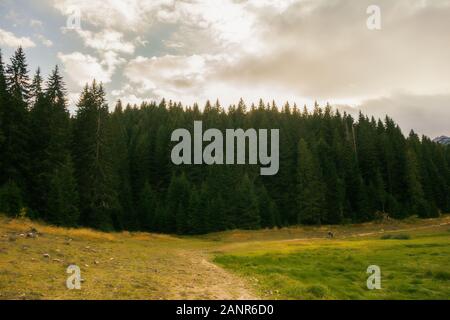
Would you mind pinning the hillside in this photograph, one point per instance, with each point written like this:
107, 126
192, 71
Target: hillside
149, 266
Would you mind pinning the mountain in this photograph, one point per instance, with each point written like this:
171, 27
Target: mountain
442, 140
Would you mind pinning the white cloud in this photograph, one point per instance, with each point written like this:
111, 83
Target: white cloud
200, 24
124, 15
106, 40
173, 77
83, 68
8, 39
46, 42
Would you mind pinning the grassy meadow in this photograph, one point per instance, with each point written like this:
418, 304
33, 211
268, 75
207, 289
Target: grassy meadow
290, 263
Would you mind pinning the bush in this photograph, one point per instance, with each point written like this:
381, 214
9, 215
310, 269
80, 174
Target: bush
395, 237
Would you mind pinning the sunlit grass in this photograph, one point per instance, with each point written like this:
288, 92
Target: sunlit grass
415, 268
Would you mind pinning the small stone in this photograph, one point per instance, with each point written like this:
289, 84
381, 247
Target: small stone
96, 262
46, 255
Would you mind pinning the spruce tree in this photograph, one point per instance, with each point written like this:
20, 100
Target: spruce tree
92, 158
310, 188
247, 205
63, 196
148, 204
15, 162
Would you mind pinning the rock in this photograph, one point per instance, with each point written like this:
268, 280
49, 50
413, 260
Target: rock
96, 262
57, 260
46, 255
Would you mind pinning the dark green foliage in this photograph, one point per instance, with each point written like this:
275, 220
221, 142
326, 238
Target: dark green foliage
93, 160
395, 237
310, 188
10, 199
148, 206
177, 205
15, 122
63, 196
247, 210
112, 170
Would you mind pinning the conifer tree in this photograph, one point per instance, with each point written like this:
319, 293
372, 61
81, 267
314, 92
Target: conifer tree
15, 123
63, 196
93, 160
310, 189
148, 204
247, 205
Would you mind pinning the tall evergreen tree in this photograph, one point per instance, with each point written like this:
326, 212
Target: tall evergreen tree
92, 158
310, 188
15, 164
247, 209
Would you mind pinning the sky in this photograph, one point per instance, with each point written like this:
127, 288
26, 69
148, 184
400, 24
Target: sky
284, 50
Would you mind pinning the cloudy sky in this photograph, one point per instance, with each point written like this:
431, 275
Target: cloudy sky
287, 50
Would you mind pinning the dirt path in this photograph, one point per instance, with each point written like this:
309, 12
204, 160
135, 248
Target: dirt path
198, 278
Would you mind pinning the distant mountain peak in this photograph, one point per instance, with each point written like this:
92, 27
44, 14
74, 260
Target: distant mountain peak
442, 140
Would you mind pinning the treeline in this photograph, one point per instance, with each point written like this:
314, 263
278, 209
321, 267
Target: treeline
112, 170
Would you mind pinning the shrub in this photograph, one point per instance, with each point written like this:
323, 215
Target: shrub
395, 237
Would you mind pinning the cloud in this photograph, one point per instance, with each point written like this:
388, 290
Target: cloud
83, 68
106, 40
8, 39
46, 42
167, 75
122, 15
426, 114
34, 23
323, 49
199, 24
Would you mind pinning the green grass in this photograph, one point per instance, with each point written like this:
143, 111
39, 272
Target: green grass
411, 268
